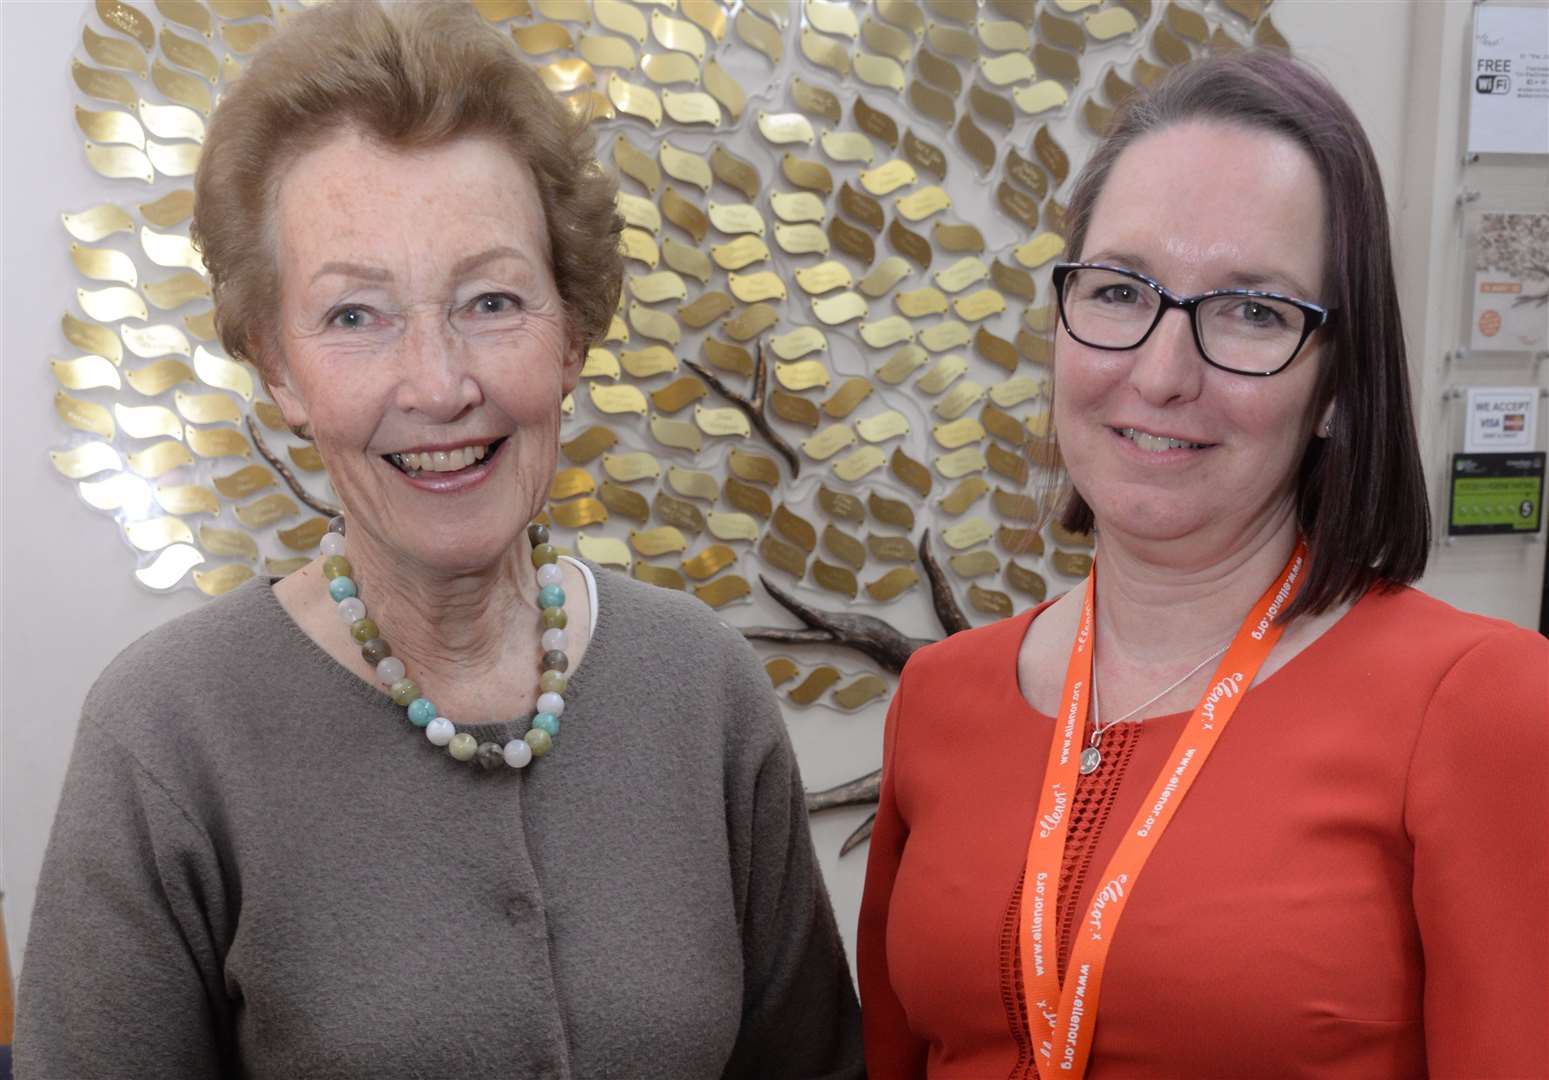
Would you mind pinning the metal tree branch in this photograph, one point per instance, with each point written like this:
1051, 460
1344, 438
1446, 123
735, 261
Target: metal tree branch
948, 613
864, 633
861, 834
755, 407
326, 509
863, 789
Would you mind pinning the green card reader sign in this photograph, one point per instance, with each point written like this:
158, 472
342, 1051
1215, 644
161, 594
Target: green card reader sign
1496, 493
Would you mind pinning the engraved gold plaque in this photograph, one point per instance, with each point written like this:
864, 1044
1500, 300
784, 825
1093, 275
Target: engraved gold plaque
678, 394
990, 602
709, 562
909, 244
847, 238
894, 582
110, 126
217, 442
632, 100
663, 577
176, 290
888, 177
881, 71
160, 459
705, 309
919, 205
846, 398
924, 155
967, 492
693, 107
847, 146
1012, 466
834, 310
648, 362
901, 364
604, 550
828, 442
974, 564
657, 325
112, 52
743, 251
844, 547
802, 375
111, 304
885, 332
723, 590
920, 302
170, 249
904, 13
1027, 581
104, 264
1016, 390
969, 533
970, 459
175, 160
991, 107
722, 421
754, 467
782, 128
604, 51
753, 321
148, 422
638, 213
99, 221
305, 458
1007, 68
996, 349
860, 206
819, 680
877, 124
962, 397
728, 357
1039, 250
825, 52
578, 513
887, 273
797, 206
725, 89
734, 172
86, 373
248, 480
841, 506
979, 305
887, 40
201, 326
654, 288
221, 373
943, 373
639, 245
181, 88
104, 85
759, 34
822, 278
1003, 425
1111, 23
952, 41
684, 166
795, 528
618, 399
734, 218
959, 432
91, 338
120, 162
206, 409
815, 101
628, 468
1003, 36
812, 175
929, 101
950, 334
979, 146
245, 38
535, 40
790, 558
636, 164
624, 502
662, 540
795, 344
678, 34
1019, 541
883, 426
747, 498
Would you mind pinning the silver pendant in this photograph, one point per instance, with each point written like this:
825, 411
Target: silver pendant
1091, 759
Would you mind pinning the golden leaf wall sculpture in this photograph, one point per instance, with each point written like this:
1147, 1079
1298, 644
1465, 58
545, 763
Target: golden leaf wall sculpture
831, 346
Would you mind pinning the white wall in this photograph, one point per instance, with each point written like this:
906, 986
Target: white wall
69, 601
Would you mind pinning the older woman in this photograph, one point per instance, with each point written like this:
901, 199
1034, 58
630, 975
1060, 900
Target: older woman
1244, 805
555, 827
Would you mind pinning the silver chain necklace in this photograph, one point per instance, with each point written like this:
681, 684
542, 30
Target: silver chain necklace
1092, 756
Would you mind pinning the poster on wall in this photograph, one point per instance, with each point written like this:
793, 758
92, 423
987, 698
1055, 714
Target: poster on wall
1501, 419
1496, 493
1508, 111
1511, 283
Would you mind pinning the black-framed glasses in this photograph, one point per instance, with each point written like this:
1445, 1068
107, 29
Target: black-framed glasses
1239, 330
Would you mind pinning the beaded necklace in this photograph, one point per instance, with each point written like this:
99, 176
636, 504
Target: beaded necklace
390, 671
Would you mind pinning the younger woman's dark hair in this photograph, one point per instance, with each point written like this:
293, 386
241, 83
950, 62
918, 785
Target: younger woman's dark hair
1360, 493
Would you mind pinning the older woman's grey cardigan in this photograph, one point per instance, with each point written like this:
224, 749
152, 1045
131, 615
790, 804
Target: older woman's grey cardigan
260, 869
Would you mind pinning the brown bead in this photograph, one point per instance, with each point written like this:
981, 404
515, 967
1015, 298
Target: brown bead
554, 660
490, 756
375, 651
538, 534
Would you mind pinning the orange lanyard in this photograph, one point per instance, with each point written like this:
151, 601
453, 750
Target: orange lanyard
1065, 1017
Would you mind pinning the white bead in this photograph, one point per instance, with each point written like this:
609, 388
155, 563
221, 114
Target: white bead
390, 670
331, 544
440, 731
551, 703
518, 753
548, 574
555, 640
351, 609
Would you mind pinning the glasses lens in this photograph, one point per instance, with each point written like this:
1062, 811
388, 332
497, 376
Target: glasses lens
1250, 333
1108, 309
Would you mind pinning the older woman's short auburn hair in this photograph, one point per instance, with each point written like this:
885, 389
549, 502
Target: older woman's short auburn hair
412, 75
1360, 493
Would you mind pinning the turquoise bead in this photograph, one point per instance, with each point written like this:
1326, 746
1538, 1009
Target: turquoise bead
421, 712
546, 722
551, 596
341, 588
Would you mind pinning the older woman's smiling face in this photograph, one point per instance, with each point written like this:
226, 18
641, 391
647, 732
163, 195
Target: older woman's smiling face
423, 340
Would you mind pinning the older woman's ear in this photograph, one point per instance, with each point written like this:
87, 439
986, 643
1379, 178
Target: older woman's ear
575, 359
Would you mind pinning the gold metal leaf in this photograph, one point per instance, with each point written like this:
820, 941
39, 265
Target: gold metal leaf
881, 71
844, 547
189, 13
245, 38
111, 304
974, 564
654, 288
894, 582
1007, 68
677, 394
104, 264
751, 322
847, 146
1003, 425
731, 358
888, 177
216, 442
182, 88
663, 577
722, 421
819, 279
834, 310
539, 38
639, 245
205, 409
684, 259
693, 107
812, 175
568, 483
979, 305
859, 463
588, 444
1027, 581
600, 364
104, 85
781, 128
99, 221
918, 303
990, 602
1111, 23
1009, 279
694, 483
1039, 320
828, 442
217, 371
841, 506
760, 34
1005, 37
747, 498
85, 460
1014, 505
887, 40
637, 165
157, 533
604, 51
961, 274
110, 126
825, 52
679, 434
304, 537
1039, 250
883, 426
979, 146
836, 579
1014, 391
864, 689
816, 682
890, 548
87, 416
949, 334
736, 218
1013, 466
177, 290
844, 400
887, 273
762, 285
846, 237
723, 590
799, 342
991, 107
1038, 349
919, 205
743, 251
578, 513
678, 34
886, 332
120, 162
911, 244
969, 533
793, 409
970, 459
227, 543
754, 467
796, 206
943, 373
705, 309
160, 459
662, 540
113, 52
604, 550
242, 9
962, 397
624, 502
684, 214
815, 101
965, 494
960, 432
632, 100
1071, 565
86, 373
924, 155
305, 458
707, 15
618, 399
952, 41
781, 669
709, 562
1040, 97
264, 512
657, 325
795, 528
783, 556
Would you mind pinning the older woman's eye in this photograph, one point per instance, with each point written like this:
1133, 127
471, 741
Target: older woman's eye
349, 317
494, 304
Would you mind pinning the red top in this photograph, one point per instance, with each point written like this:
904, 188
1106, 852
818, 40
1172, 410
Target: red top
1357, 885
